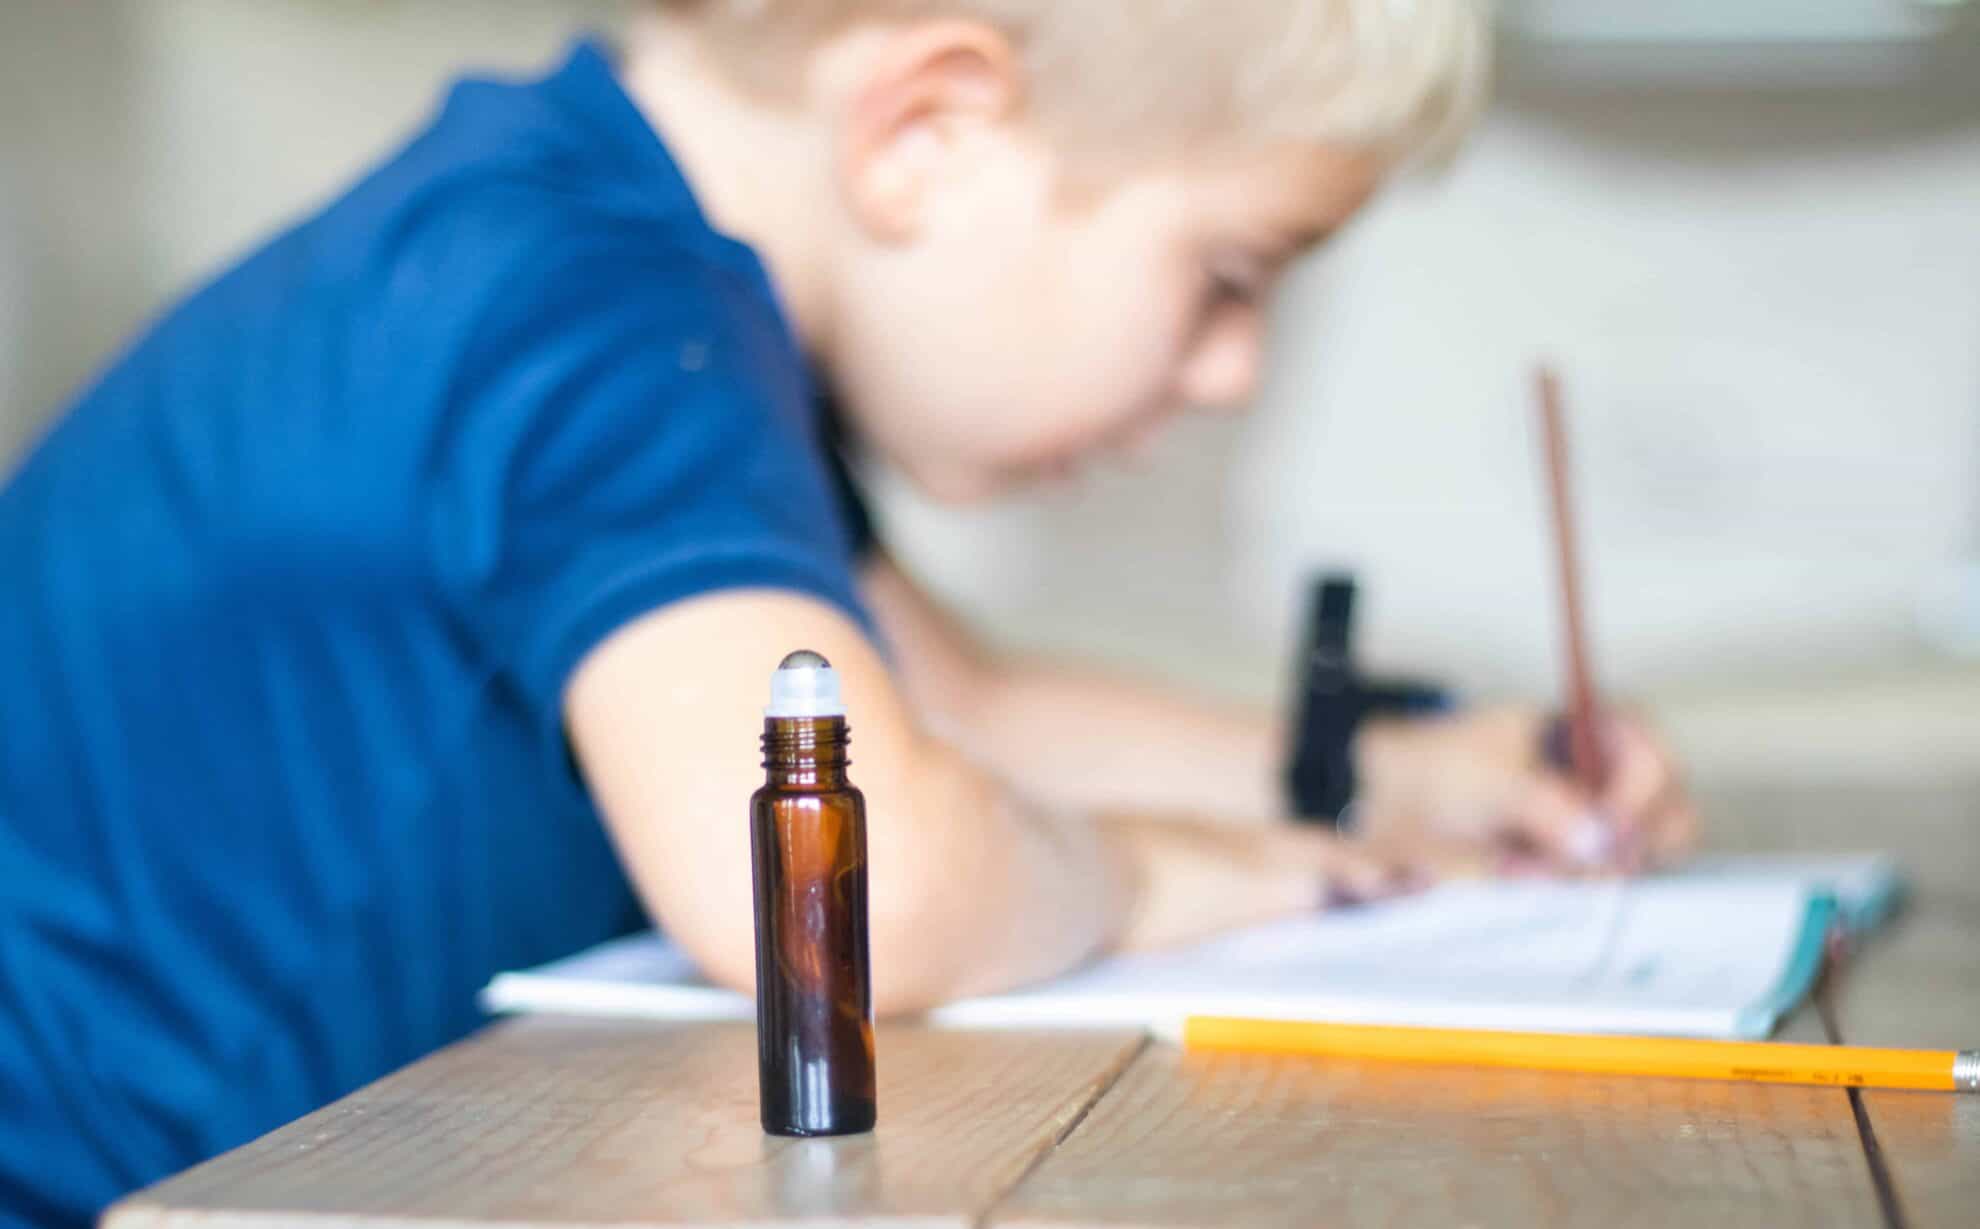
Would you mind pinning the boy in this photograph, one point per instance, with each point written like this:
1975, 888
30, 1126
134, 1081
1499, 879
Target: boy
400, 608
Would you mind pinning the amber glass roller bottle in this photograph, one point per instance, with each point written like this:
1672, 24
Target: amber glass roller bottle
814, 1003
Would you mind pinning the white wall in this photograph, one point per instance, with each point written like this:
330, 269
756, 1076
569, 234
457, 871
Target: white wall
13, 309
1767, 309
68, 236
1771, 337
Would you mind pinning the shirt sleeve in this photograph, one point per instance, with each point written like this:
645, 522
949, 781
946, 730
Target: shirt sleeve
640, 431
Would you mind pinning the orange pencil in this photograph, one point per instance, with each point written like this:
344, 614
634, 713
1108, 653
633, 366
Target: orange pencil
1670, 1057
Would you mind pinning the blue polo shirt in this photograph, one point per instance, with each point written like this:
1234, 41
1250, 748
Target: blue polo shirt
288, 600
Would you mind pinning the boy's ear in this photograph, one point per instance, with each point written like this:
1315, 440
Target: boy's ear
929, 96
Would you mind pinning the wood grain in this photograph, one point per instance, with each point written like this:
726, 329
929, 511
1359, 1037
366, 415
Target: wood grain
1248, 1140
1931, 1144
1804, 1026
1917, 983
1932, 827
583, 1122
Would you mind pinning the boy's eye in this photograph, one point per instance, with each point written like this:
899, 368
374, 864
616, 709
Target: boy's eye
1233, 276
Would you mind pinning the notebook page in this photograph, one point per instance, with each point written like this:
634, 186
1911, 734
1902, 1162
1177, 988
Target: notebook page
1719, 950
1674, 958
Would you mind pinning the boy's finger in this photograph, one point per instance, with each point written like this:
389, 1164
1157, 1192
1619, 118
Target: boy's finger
1639, 775
1356, 876
1673, 831
1664, 834
1431, 858
1555, 818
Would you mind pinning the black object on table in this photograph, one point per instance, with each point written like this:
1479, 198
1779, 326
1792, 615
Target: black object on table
1331, 699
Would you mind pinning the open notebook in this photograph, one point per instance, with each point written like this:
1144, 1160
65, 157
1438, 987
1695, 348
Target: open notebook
1723, 949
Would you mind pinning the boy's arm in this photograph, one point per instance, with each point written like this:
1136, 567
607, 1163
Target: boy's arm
971, 890
1448, 790
1075, 737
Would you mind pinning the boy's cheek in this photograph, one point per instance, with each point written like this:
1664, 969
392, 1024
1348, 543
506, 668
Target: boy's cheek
1002, 380
1129, 355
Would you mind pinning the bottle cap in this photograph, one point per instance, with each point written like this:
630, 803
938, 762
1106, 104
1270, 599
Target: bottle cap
805, 685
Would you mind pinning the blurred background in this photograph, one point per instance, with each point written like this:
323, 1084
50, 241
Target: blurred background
1747, 233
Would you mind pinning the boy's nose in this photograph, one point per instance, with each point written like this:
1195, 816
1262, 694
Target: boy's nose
1221, 372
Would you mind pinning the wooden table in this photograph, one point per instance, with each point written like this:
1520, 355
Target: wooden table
567, 1122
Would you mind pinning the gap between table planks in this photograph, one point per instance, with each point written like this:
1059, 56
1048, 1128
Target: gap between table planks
1919, 985
553, 1122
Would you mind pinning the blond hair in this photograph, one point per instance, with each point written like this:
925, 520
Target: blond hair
1401, 78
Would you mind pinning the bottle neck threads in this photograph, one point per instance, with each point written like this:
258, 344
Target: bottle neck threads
805, 751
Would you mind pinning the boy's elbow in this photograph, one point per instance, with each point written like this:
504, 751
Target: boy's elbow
919, 962
950, 896
726, 957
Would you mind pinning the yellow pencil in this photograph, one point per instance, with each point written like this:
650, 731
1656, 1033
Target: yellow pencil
1768, 1061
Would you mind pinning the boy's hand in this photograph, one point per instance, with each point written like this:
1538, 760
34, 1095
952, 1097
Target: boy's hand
1480, 783
1191, 879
